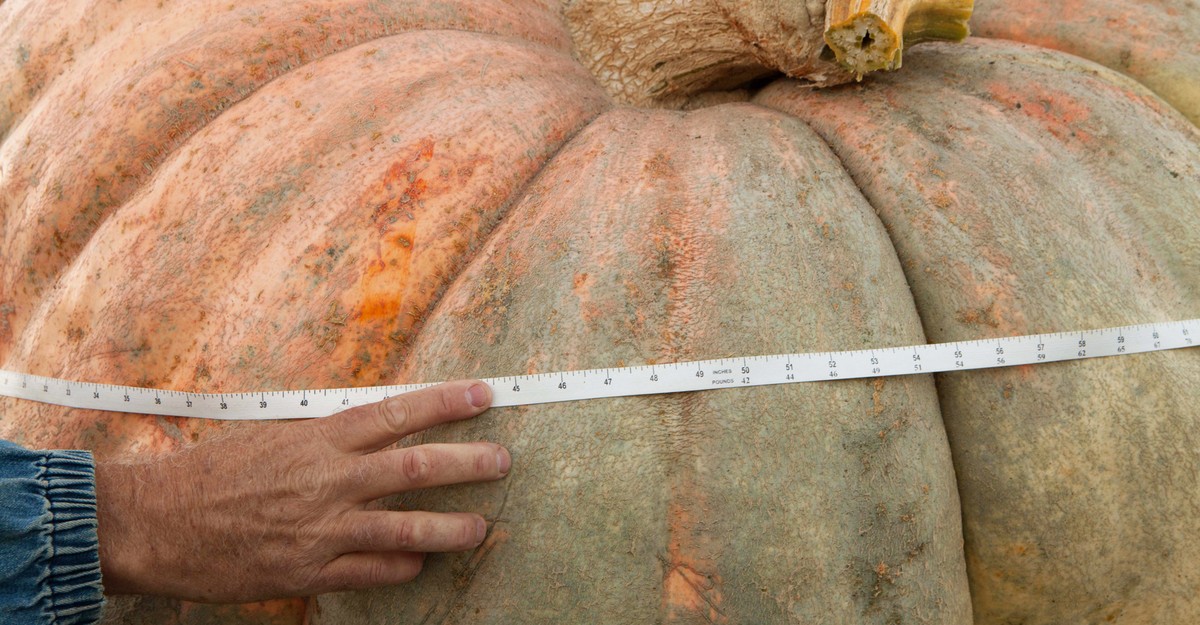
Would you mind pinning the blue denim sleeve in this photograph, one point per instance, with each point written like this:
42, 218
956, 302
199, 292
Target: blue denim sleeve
49, 555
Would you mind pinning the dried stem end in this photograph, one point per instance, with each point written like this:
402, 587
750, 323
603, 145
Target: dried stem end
870, 35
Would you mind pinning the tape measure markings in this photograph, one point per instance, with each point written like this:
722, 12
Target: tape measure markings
584, 384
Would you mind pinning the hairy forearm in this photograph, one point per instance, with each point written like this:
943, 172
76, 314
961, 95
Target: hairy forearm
115, 514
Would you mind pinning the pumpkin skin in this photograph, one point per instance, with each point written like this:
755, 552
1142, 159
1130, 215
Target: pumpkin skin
1155, 41
437, 204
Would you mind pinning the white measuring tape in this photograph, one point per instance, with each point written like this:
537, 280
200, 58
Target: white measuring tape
541, 388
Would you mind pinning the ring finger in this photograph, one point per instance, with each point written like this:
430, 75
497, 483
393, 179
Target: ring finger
383, 531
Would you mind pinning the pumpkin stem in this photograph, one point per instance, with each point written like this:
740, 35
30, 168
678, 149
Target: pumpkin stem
670, 54
869, 35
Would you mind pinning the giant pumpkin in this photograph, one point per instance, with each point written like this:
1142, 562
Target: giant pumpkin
270, 195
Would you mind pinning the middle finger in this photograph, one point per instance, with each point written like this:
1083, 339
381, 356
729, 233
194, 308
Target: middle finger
395, 471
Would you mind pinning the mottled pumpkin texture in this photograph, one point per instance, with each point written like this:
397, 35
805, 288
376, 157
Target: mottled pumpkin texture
287, 195
1155, 41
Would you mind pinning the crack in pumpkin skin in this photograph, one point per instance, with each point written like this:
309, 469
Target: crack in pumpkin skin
691, 585
129, 102
687, 245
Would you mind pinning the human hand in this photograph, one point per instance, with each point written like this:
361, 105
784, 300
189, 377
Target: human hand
281, 509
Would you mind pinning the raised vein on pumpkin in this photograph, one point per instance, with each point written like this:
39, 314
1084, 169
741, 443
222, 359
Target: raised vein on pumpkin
667, 53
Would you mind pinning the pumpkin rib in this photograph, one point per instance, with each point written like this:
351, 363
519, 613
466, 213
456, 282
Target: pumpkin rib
505, 213
118, 175
998, 104
29, 239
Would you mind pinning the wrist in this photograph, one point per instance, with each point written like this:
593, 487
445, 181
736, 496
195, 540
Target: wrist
120, 551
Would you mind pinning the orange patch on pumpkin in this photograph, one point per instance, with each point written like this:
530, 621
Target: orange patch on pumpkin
588, 310
1059, 113
386, 279
395, 201
1020, 549
660, 167
399, 192
279, 611
425, 152
690, 583
582, 284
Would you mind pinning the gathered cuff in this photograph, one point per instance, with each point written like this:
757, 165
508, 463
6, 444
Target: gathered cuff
72, 565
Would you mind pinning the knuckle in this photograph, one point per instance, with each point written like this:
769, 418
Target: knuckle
308, 538
410, 571
485, 462
310, 484
376, 574
328, 432
365, 533
468, 533
396, 413
408, 533
342, 581
295, 586
446, 400
357, 474
417, 466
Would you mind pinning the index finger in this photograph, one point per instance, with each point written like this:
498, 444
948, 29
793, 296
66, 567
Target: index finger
372, 427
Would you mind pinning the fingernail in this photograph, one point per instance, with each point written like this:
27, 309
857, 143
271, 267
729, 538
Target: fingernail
477, 395
480, 530
503, 461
